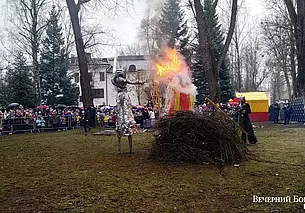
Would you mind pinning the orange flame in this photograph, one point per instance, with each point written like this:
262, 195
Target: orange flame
171, 65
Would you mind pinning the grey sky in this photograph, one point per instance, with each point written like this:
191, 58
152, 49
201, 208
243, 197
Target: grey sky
125, 25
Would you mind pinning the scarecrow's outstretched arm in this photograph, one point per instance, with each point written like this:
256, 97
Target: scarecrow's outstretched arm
136, 82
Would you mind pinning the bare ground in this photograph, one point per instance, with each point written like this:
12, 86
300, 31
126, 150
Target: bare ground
68, 172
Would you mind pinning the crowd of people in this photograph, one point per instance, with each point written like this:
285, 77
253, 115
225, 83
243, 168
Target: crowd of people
106, 116
46, 117
276, 113
40, 117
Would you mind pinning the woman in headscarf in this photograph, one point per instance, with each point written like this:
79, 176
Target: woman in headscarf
245, 122
125, 123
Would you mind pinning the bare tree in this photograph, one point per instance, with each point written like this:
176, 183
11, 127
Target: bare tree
88, 38
293, 71
297, 17
277, 38
74, 9
211, 65
149, 33
133, 49
29, 22
67, 27
278, 32
241, 32
254, 65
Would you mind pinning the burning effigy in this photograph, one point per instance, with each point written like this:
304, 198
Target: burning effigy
185, 136
172, 71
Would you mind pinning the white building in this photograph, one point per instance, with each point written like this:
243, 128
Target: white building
101, 73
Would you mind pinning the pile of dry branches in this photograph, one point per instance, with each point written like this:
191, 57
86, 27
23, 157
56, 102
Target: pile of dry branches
197, 138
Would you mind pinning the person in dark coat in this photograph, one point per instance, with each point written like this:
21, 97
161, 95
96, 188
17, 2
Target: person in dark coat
245, 122
287, 113
145, 116
276, 113
92, 116
86, 119
270, 110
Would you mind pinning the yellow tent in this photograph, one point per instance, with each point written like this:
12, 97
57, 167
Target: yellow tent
257, 100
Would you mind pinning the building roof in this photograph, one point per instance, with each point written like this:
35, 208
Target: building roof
253, 96
129, 57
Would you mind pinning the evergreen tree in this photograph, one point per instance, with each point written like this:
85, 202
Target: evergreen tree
173, 28
217, 41
3, 92
199, 78
20, 84
54, 66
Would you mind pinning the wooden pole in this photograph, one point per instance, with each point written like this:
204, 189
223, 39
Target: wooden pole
115, 61
156, 96
226, 115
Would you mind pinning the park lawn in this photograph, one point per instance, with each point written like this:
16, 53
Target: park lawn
68, 172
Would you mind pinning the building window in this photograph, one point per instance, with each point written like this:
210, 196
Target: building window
132, 68
102, 76
76, 77
98, 93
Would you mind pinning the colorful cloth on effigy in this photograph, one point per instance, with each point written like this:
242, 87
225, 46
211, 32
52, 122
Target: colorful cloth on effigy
183, 94
181, 102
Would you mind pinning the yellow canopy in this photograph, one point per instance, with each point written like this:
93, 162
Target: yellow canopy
258, 100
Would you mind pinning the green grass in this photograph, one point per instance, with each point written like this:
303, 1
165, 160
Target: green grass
68, 172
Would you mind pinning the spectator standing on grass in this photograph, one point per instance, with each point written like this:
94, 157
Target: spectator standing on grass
98, 118
245, 110
38, 123
86, 124
92, 116
287, 113
106, 118
270, 110
114, 118
77, 118
140, 118
110, 120
152, 117
102, 118
156, 112
145, 116
43, 122
275, 113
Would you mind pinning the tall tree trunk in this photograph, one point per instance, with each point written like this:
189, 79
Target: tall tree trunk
285, 70
82, 60
273, 90
237, 64
138, 88
277, 85
34, 45
211, 65
230, 33
207, 54
239, 77
297, 19
293, 66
